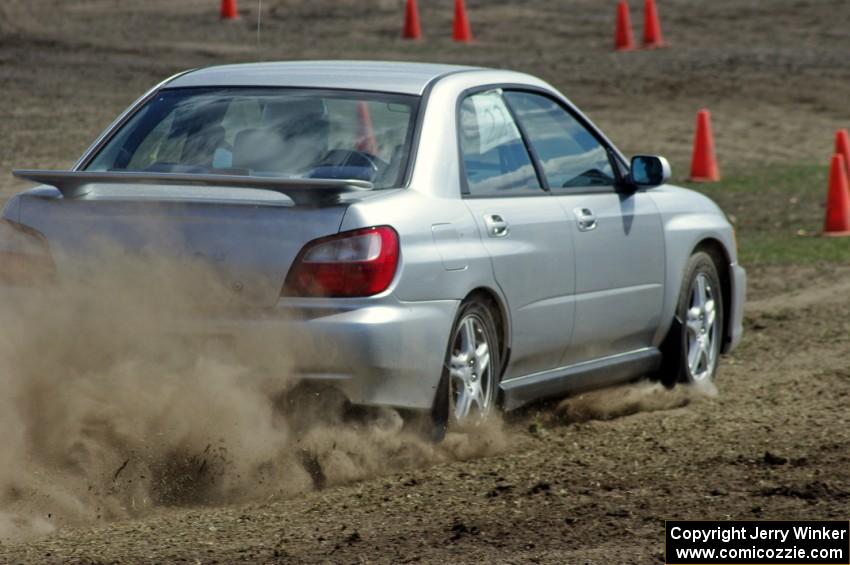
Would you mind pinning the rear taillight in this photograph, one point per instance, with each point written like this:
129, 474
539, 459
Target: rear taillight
25, 258
356, 263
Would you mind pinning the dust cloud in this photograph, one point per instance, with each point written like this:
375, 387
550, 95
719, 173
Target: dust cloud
112, 406
625, 400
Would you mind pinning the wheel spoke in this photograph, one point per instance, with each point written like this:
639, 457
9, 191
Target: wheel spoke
462, 404
479, 399
711, 353
705, 357
469, 337
710, 315
482, 359
693, 356
701, 291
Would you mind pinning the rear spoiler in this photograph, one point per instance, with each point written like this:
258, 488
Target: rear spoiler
76, 184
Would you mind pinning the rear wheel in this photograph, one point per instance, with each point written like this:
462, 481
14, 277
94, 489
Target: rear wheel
469, 384
692, 348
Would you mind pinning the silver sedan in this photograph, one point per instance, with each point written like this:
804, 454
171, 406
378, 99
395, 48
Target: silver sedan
453, 239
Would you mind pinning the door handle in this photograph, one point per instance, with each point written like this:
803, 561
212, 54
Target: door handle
585, 218
496, 226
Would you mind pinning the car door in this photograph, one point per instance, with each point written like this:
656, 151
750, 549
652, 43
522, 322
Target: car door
618, 236
523, 230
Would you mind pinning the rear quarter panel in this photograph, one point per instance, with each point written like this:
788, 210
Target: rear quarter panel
442, 257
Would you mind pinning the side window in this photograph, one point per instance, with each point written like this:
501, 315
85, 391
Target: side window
570, 155
495, 159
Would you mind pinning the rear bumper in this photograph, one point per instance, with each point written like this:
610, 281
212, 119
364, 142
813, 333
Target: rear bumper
738, 285
388, 354
376, 351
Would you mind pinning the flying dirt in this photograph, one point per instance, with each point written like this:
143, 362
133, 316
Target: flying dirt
113, 407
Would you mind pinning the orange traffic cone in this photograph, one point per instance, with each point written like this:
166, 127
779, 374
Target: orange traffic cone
623, 40
462, 31
411, 21
704, 163
842, 147
838, 199
228, 10
652, 38
365, 131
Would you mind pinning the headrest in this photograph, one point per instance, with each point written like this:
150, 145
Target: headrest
282, 112
200, 147
470, 134
257, 149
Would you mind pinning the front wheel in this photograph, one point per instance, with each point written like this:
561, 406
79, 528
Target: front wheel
692, 348
468, 387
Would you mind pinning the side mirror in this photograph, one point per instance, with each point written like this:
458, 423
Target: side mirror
649, 170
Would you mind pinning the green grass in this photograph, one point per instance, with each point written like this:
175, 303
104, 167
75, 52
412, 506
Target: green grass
778, 214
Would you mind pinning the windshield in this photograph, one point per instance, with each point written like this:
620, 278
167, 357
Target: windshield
292, 133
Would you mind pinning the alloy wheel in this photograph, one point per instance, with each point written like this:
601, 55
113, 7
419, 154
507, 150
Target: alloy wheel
470, 373
702, 329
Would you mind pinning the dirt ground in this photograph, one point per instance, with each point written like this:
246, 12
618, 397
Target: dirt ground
591, 480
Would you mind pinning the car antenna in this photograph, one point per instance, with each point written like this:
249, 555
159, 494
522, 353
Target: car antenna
259, 25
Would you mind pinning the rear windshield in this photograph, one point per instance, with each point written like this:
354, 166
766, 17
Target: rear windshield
292, 133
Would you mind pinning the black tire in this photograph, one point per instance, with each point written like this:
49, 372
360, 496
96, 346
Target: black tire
443, 410
681, 342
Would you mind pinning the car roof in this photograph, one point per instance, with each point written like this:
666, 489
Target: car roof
380, 76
